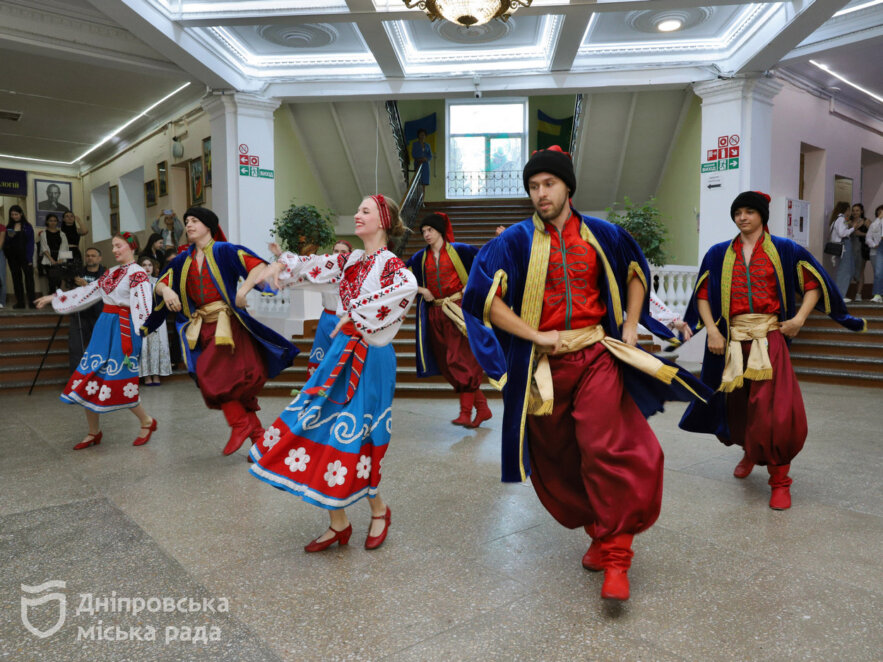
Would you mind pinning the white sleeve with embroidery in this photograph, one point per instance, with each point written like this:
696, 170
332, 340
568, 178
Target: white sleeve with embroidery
662, 313
76, 299
378, 314
140, 297
315, 272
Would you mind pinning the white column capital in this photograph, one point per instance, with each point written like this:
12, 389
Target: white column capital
218, 103
736, 89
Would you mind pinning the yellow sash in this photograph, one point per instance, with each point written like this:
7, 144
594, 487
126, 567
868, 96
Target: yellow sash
542, 389
452, 310
753, 327
216, 311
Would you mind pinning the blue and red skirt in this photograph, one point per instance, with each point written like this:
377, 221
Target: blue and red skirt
106, 378
327, 445
327, 321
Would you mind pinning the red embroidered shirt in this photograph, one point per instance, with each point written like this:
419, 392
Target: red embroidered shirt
753, 286
442, 279
571, 299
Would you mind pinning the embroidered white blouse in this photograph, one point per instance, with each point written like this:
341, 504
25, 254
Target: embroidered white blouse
375, 290
125, 285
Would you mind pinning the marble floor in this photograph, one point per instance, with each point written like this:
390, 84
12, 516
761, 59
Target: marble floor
473, 568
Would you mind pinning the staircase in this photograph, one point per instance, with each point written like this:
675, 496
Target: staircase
24, 336
825, 352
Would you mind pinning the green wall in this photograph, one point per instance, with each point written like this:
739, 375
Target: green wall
414, 109
678, 194
295, 181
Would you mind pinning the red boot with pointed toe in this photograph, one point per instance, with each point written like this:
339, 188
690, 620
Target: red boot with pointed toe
94, 441
482, 411
240, 426
592, 557
140, 441
373, 542
342, 537
616, 557
465, 417
743, 469
780, 482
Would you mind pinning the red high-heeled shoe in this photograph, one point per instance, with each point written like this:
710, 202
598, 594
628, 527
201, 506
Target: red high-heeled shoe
94, 441
342, 537
140, 441
373, 542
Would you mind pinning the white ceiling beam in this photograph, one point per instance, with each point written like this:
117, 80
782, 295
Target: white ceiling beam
150, 25
571, 38
378, 41
346, 149
625, 146
846, 39
798, 29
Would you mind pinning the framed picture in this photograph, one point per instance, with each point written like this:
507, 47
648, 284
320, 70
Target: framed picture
207, 159
150, 193
53, 197
114, 193
162, 179
114, 223
196, 190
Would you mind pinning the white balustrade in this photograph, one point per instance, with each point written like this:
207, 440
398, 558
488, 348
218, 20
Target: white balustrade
285, 311
673, 284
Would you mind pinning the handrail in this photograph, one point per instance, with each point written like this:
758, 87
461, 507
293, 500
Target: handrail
398, 134
410, 206
574, 131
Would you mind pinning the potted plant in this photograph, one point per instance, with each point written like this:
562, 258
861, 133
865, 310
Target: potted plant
644, 223
303, 229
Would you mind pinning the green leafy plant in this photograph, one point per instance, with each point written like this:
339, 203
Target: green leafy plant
302, 228
644, 223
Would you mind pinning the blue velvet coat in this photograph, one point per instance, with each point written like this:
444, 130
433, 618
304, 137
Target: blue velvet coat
789, 259
508, 360
462, 253
226, 265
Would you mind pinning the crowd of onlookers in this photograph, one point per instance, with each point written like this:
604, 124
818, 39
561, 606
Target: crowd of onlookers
55, 254
859, 243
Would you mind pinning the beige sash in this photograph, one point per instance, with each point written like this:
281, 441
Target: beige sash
216, 311
452, 310
753, 327
542, 389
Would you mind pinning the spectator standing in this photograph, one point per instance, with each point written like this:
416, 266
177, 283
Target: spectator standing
875, 235
841, 229
861, 252
170, 227
19, 250
155, 249
73, 229
155, 359
54, 250
2, 265
421, 153
83, 321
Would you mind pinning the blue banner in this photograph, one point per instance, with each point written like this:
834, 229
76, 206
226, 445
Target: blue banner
13, 182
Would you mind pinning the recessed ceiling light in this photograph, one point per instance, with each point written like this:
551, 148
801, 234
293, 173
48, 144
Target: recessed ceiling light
670, 25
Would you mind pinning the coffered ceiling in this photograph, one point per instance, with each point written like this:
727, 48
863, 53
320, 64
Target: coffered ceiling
79, 69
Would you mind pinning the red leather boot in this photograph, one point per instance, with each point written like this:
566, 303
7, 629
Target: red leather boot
592, 557
616, 557
465, 417
482, 411
743, 469
240, 426
780, 482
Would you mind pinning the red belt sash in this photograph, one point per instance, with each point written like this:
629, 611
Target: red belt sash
330, 312
355, 348
125, 326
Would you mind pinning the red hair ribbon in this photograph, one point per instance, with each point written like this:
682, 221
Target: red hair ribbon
385, 218
553, 148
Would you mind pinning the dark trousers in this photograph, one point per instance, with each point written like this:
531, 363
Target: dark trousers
22, 280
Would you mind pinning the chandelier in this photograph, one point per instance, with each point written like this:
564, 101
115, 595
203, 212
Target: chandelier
468, 13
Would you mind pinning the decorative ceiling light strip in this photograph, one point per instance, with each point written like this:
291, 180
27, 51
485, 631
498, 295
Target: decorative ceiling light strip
866, 5
827, 70
468, 13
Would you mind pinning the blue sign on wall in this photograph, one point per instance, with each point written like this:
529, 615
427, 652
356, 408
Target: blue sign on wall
13, 182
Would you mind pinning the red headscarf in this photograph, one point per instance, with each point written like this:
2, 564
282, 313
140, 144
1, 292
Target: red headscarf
385, 217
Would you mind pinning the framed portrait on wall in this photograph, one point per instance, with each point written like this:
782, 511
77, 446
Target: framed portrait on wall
207, 159
114, 194
196, 190
162, 179
114, 223
53, 197
150, 193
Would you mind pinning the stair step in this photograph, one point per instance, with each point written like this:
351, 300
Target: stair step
840, 377
843, 363
802, 347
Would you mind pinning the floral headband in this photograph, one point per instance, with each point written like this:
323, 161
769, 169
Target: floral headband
385, 218
131, 239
